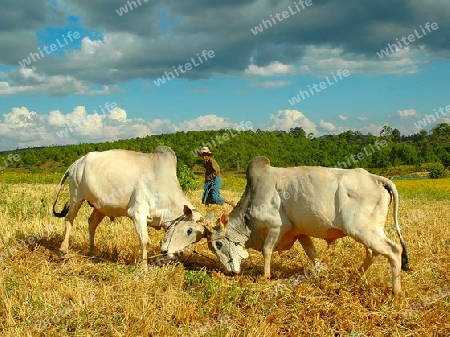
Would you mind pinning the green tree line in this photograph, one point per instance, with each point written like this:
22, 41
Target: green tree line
234, 149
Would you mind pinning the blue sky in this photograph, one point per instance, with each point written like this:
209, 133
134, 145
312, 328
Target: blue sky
101, 59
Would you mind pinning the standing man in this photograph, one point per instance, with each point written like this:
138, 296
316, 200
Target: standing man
213, 181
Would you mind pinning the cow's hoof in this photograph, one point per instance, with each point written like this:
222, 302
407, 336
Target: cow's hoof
399, 294
62, 253
144, 267
140, 272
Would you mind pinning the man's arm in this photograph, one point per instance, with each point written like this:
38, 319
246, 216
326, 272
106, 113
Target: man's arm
216, 167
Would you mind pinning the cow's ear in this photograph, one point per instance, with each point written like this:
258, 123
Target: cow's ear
223, 221
188, 212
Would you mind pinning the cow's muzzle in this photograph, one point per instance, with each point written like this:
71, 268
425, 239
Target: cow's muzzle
172, 256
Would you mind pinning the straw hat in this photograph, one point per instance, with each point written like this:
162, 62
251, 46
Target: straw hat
204, 151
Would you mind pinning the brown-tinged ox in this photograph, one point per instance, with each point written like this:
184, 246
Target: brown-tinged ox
282, 205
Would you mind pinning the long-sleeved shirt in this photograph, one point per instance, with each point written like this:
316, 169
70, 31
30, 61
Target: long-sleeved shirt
212, 169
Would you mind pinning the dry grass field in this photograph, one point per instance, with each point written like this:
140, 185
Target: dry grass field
42, 294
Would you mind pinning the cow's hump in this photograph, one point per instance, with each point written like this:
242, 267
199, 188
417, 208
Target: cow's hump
164, 150
258, 163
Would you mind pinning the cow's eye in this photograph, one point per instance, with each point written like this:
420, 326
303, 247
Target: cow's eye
218, 244
189, 231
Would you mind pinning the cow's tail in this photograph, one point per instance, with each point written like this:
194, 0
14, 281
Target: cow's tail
65, 210
390, 186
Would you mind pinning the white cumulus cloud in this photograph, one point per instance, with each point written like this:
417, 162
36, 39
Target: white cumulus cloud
274, 68
329, 127
23, 128
287, 119
407, 113
118, 114
271, 84
206, 122
363, 119
19, 118
27, 81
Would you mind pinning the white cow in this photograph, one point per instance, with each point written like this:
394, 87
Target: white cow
141, 186
282, 205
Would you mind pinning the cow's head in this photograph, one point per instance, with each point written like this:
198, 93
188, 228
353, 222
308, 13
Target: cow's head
179, 234
228, 243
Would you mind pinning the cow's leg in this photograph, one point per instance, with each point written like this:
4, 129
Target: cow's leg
310, 251
95, 218
140, 224
379, 243
368, 260
269, 244
331, 249
330, 244
73, 210
309, 248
